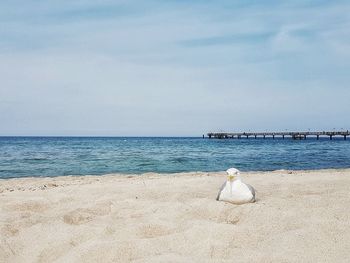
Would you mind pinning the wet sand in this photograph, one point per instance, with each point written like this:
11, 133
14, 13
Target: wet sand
299, 216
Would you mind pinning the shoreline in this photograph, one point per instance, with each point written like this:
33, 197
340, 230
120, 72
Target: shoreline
189, 173
175, 218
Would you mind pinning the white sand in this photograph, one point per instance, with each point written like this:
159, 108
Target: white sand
298, 217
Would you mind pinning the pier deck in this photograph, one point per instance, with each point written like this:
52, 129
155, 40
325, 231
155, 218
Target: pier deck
293, 135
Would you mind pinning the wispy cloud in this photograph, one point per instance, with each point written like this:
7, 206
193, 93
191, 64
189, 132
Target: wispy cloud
247, 39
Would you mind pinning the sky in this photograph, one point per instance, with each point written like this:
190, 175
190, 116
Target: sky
173, 68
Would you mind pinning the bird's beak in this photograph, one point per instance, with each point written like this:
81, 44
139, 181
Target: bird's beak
230, 178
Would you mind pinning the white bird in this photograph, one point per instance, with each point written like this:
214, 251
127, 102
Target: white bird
234, 190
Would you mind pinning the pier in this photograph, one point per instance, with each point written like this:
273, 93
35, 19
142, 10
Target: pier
283, 135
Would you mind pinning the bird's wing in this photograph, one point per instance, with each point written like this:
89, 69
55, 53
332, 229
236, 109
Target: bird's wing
222, 188
252, 190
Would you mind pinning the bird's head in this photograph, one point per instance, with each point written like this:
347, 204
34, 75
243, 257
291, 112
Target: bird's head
232, 173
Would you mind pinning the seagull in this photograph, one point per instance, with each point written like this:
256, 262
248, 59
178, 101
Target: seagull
234, 190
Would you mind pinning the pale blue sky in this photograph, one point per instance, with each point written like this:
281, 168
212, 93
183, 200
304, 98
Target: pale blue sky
173, 67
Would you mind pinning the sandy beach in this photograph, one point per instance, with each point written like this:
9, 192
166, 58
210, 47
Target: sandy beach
299, 216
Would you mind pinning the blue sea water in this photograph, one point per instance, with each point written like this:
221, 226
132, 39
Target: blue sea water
54, 156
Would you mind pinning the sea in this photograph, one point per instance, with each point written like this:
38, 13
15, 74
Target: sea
57, 156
